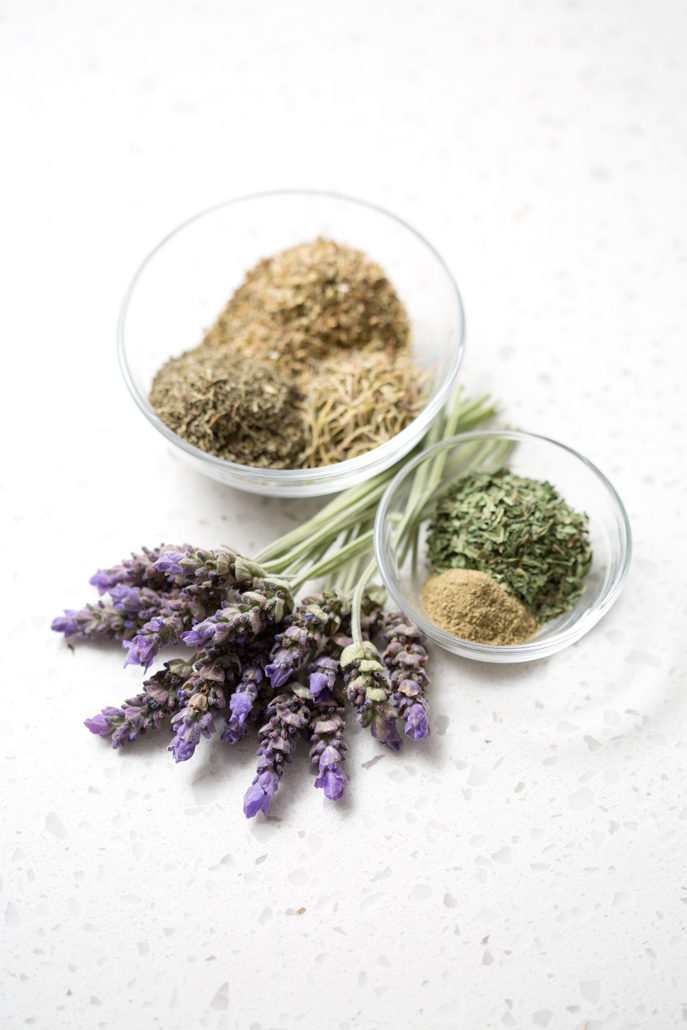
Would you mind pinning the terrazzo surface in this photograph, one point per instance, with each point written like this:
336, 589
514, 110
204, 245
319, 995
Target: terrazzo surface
524, 867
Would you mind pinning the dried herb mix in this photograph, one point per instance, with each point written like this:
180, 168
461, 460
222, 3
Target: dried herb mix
355, 402
244, 415
310, 301
308, 364
521, 532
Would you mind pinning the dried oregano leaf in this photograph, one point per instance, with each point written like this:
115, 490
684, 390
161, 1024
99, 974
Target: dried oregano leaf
310, 301
519, 531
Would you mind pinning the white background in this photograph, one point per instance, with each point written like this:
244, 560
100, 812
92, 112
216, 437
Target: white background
525, 867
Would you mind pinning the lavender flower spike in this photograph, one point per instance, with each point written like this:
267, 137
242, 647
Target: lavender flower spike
188, 725
240, 621
329, 748
179, 612
405, 656
221, 567
372, 611
213, 673
369, 691
138, 570
309, 627
105, 722
147, 710
322, 673
129, 611
277, 740
259, 795
243, 703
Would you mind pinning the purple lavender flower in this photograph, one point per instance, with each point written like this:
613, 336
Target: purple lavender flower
277, 740
138, 570
204, 692
333, 781
322, 673
240, 621
169, 564
309, 627
178, 613
154, 598
244, 702
417, 720
221, 567
190, 722
406, 656
323, 670
147, 710
372, 612
105, 722
329, 748
369, 691
130, 610
259, 795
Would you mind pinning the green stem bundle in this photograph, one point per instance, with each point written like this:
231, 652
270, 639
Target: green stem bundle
340, 537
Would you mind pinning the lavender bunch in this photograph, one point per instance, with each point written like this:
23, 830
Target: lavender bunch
308, 629
288, 715
213, 672
162, 695
244, 703
237, 615
368, 689
405, 657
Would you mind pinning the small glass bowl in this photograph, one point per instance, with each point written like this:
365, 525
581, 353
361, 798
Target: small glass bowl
185, 282
580, 484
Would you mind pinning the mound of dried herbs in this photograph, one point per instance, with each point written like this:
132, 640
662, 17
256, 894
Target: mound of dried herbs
246, 415
520, 532
308, 364
310, 301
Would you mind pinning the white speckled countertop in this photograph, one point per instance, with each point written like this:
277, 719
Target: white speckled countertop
523, 868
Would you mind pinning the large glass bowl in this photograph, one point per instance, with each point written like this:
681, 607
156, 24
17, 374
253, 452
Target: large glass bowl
580, 484
183, 285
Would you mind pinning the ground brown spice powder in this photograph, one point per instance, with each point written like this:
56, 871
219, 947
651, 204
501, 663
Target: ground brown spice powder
471, 605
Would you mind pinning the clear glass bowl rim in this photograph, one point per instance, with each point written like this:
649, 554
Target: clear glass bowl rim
379, 457
532, 649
